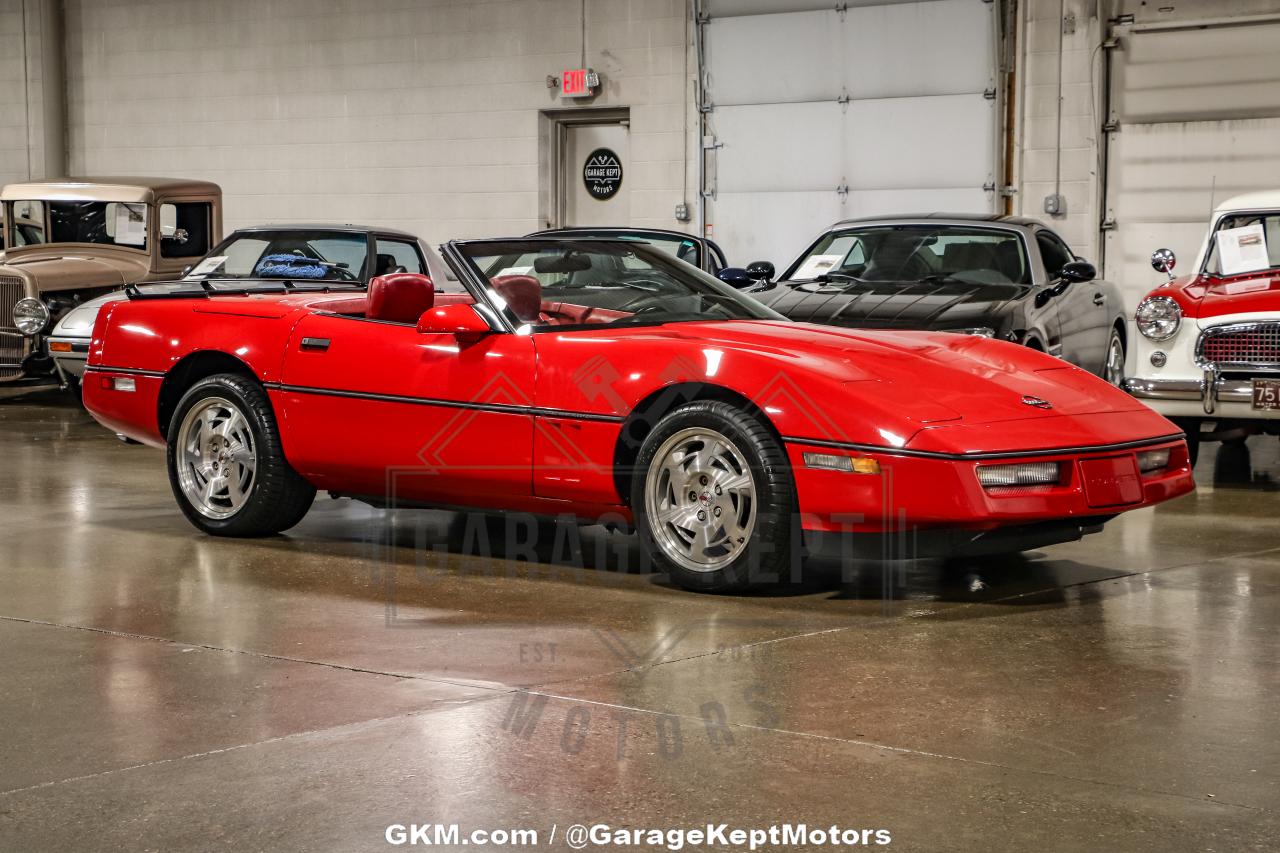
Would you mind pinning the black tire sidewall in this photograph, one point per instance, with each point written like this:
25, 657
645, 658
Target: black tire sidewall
263, 511
770, 557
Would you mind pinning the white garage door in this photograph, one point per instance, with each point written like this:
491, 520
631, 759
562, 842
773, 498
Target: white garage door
819, 114
1196, 117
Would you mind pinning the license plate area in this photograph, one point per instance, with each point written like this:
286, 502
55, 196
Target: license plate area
1266, 394
1113, 481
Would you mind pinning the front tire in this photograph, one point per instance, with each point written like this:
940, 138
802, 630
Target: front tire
714, 499
226, 464
1113, 367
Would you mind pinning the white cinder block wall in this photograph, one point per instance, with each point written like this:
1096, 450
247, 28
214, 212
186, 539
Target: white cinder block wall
1039, 133
418, 114
13, 107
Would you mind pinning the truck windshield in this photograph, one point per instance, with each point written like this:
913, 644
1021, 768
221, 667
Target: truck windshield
112, 223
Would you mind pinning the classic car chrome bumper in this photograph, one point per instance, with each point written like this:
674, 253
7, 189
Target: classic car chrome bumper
1210, 390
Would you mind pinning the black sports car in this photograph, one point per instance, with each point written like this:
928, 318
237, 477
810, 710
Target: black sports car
999, 276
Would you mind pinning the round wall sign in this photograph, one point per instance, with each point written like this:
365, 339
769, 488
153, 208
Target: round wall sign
602, 174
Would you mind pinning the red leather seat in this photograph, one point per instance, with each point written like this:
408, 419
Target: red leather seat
523, 295
400, 297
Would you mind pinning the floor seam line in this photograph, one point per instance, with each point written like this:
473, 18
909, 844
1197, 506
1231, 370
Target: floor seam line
129, 635
355, 726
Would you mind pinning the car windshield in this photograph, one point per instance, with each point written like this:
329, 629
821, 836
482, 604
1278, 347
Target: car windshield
292, 254
111, 223
916, 253
1243, 243
546, 284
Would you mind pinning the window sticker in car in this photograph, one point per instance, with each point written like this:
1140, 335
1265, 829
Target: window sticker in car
514, 271
208, 265
1243, 249
131, 224
816, 265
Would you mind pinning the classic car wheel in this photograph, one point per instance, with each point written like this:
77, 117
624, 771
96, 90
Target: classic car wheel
1113, 370
226, 465
714, 498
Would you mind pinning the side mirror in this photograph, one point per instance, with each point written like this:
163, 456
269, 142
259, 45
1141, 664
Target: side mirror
736, 277
459, 320
761, 271
1163, 260
1078, 271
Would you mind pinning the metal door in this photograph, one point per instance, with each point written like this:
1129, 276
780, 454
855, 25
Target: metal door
595, 147
1194, 119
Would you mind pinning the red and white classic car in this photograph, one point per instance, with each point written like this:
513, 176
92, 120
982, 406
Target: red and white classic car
604, 379
1208, 352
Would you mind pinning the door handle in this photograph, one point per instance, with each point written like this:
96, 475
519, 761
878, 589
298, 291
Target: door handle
1099, 299
314, 344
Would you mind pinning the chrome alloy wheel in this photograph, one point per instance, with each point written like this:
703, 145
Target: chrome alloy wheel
1114, 370
217, 460
700, 498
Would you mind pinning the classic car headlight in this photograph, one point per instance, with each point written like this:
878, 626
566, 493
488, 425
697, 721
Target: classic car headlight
30, 316
1158, 318
1022, 474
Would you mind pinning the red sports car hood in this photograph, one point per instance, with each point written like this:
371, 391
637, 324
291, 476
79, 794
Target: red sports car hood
886, 388
924, 377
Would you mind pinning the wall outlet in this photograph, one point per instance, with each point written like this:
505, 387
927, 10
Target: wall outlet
1055, 204
682, 212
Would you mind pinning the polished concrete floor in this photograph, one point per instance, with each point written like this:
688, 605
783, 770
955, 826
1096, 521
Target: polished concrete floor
160, 690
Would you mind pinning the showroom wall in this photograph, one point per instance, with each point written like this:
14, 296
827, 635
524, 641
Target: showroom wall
1059, 152
420, 115
32, 90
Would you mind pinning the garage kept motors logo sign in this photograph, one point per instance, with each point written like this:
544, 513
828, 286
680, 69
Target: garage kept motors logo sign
602, 174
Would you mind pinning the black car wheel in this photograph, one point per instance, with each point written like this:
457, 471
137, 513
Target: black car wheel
226, 465
714, 499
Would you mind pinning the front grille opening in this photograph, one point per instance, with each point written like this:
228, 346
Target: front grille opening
1252, 345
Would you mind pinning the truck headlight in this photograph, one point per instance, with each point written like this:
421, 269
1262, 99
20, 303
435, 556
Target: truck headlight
1158, 318
30, 316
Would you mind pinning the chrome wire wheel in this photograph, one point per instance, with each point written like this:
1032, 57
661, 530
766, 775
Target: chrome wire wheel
217, 458
1113, 372
700, 499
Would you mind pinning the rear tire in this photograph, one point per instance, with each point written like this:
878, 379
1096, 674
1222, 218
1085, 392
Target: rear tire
226, 465
714, 499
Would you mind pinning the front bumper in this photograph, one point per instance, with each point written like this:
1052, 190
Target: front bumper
1211, 396
918, 494
70, 354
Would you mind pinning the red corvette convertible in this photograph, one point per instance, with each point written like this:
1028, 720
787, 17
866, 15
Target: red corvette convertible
604, 379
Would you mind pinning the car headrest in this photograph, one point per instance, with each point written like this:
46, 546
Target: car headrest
523, 295
400, 297
385, 264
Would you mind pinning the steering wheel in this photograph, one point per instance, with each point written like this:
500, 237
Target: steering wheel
640, 301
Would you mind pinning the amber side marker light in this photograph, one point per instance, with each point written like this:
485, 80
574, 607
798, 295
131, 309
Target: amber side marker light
848, 464
59, 346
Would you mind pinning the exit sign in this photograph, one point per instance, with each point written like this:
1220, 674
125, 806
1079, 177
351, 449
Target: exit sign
578, 82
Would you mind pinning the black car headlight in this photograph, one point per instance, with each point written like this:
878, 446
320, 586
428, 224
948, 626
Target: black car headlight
1158, 318
30, 316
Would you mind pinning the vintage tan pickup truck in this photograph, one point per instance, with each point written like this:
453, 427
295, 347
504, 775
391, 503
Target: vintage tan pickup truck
71, 240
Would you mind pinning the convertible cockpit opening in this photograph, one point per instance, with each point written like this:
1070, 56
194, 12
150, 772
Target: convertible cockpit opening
558, 284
